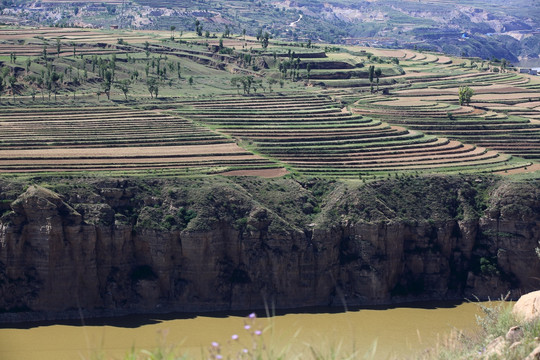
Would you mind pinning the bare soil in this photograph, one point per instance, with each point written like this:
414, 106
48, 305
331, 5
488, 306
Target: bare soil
522, 170
265, 173
119, 152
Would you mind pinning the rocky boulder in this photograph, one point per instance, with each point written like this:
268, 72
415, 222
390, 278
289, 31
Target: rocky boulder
528, 306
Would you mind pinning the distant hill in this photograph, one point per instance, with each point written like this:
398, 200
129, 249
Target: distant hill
496, 28
503, 29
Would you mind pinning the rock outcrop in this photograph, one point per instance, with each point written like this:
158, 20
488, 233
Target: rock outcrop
110, 246
528, 306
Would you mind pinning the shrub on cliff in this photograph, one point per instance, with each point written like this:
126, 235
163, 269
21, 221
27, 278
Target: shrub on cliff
414, 199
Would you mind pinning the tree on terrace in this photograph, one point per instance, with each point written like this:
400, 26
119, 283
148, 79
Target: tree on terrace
147, 48
265, 39
378, 73
504, 64
124, 86
52, 83
271, 82
2, 86
198, 27
12, 81
465, 95
235, 81
39, 83
153, 86
371, 75
107, 83
247, 82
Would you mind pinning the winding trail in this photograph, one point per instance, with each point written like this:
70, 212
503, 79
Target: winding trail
293, 24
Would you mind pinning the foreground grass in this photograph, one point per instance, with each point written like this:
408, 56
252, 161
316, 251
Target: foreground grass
494, 325
253, 342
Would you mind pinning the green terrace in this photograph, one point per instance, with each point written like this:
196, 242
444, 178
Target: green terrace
325, 139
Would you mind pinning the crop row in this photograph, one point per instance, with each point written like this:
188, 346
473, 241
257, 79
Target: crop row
478, 127
279, 133
113, 138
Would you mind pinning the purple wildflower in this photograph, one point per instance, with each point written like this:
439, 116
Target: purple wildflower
252, 316
234, 337
247, 327
258, 332
215, 344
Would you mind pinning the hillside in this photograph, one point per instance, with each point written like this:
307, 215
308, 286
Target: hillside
152, 103
500, 29
134, 163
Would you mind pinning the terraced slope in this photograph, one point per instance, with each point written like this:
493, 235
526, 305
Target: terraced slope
114, 138
315, 136
512, 134
73, 35
503, 116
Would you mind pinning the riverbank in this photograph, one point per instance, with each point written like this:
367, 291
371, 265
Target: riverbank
506, 332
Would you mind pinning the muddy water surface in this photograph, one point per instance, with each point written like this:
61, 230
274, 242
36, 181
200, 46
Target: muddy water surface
397, 332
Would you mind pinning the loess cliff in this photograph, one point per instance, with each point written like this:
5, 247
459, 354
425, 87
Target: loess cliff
117, 246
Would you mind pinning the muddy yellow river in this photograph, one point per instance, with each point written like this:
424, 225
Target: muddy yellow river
395, 332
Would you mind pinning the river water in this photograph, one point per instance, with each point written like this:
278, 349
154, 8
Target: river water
392, 332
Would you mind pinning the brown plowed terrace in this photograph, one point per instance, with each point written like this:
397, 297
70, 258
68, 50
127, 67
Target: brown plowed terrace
507, 132
316, 136
114, 138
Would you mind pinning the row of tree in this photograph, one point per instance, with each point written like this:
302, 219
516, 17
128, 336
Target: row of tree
249, 83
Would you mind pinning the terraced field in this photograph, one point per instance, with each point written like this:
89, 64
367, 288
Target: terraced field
503, 115
512, 134
76, 35
315, 136
329, 116
110, 138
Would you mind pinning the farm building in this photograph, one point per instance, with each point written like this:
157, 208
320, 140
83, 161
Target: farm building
529, 71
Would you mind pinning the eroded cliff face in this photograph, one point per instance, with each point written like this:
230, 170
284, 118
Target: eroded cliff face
132, 246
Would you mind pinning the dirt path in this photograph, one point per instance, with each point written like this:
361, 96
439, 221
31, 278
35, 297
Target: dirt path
265, 173
293, 24
128, 152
